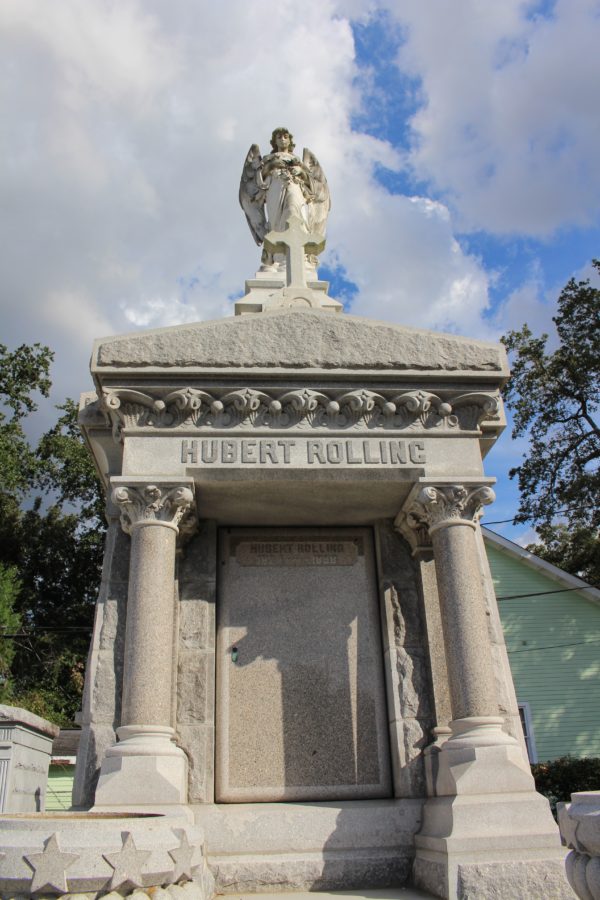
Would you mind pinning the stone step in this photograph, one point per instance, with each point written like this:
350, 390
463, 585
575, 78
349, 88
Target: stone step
400, 893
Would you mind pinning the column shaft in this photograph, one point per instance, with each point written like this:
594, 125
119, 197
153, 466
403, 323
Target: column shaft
464, 622
147, 688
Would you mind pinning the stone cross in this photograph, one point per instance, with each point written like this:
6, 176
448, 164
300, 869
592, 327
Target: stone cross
295, 242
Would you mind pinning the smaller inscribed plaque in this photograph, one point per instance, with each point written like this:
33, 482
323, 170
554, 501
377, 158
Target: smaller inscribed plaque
297, 553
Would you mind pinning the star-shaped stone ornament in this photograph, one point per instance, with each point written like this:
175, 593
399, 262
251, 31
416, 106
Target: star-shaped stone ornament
49, 867
127, 863
182, 856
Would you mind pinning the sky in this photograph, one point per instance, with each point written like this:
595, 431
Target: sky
459, 138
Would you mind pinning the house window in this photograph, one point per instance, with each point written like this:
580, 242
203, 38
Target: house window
527, 725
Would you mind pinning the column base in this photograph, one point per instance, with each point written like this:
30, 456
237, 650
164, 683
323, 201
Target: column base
487, 833
144, 769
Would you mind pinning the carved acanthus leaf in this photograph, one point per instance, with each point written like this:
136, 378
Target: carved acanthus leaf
414, 530
470, 410
172, 504
441, 505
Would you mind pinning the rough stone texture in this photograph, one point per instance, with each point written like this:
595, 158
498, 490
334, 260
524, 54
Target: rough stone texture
317, 846
529, 879
435, 638
195, 693
300, 339
198, 743
301, 703
86, 853
534, 880
104, 672
407, 668
196, 660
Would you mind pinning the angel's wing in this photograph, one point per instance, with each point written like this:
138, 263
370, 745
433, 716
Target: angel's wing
321, 204
252, 198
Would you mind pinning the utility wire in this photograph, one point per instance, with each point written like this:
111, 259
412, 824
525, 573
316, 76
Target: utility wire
553, 646
584, 587
557, 513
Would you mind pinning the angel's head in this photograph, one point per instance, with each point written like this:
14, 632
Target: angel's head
282, 133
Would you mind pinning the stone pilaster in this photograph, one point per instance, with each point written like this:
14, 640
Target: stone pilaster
146, 767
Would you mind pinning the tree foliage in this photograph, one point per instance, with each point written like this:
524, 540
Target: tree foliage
555, 399
9, 623
51, 538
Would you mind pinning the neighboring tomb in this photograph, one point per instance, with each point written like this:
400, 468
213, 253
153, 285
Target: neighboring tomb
25, 750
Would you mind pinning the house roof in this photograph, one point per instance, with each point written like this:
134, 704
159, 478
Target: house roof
568, 582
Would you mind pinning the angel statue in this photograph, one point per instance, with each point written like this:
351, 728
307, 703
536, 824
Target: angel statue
280, 187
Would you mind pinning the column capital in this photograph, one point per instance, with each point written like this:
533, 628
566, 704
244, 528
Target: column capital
168, 502
437, 505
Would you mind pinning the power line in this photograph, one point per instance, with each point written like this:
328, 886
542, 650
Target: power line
553, 646
584, 587
557, 513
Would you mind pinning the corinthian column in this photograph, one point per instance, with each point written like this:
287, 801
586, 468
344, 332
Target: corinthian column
146, 767
449, 513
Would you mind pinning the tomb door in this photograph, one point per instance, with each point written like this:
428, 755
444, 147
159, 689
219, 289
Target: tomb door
301, 711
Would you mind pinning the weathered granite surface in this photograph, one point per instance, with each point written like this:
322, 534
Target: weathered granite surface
195, 706
301, 702
101, 713
259, 847
64, 853
299, 339
407, 667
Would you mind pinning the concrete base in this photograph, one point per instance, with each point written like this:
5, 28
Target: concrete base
487, 834
144, 770
255, 847
266, 291
89, 854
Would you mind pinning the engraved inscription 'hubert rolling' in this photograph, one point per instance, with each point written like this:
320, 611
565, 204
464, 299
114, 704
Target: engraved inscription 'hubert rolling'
297, 553
307, 452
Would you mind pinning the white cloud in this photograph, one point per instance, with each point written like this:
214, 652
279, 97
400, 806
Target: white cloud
510, 124
126, 126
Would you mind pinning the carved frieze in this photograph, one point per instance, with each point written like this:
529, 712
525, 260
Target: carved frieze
304, 408
437, 506
171, 503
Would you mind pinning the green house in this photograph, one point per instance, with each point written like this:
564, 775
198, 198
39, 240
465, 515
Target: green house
551, 624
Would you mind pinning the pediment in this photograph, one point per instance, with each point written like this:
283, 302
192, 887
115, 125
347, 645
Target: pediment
283, 340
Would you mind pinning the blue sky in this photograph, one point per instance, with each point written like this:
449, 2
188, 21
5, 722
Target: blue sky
459, 139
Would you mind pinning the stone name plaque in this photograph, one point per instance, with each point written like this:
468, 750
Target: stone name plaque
297, 553
301, 712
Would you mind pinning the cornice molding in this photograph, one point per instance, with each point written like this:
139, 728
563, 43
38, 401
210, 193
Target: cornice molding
302, 409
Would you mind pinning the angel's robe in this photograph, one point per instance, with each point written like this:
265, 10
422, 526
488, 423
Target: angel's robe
287, 195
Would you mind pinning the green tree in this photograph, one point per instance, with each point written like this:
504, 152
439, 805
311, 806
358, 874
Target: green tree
555, 398
9, 623
51, 538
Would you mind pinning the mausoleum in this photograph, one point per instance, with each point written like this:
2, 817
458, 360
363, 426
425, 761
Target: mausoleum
297, 645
